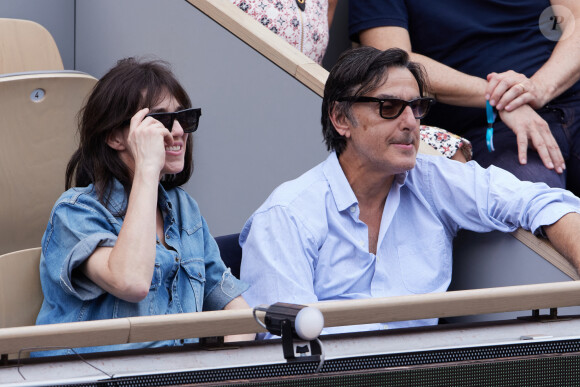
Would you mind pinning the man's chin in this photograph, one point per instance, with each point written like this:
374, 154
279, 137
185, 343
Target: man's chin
406, 165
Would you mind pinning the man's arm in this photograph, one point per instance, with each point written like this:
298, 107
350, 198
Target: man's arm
564, 236
277, 259
331, 8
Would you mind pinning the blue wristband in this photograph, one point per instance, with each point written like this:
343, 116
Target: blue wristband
491, 115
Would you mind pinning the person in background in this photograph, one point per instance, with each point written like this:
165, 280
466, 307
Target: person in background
509, 53
125, 240
376, 219
302, 23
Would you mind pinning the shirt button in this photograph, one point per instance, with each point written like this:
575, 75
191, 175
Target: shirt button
176, 259
353, 209
199, 274
167, 236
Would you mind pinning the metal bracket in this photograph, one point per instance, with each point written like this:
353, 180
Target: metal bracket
536, 316
288, 346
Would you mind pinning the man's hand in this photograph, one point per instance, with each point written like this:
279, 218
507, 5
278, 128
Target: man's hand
529, 126
510, 90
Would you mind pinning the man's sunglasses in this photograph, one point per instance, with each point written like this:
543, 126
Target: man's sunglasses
187, 118
390, 108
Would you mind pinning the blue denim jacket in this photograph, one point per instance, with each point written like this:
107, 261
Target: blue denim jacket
189, 277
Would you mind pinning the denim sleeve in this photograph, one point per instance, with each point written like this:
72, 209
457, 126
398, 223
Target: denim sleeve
221, 285
76, 283
74, 232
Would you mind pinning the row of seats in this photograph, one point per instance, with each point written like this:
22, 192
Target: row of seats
39, 102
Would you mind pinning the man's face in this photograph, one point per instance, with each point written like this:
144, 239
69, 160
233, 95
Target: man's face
385, 145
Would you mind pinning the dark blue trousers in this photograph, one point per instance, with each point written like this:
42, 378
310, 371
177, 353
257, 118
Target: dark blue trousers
564, 121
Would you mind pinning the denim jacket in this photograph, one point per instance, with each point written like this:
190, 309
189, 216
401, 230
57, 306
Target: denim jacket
189, 277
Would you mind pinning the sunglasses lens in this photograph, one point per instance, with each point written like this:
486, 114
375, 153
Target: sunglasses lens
392, 107
188, 120
165, 120
420, 107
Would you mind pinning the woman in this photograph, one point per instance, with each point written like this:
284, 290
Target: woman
127, 241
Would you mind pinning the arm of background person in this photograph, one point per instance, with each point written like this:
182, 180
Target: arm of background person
331, 8
448, 85
510, 90
456, 88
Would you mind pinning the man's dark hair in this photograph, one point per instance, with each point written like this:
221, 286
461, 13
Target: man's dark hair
127, 88
357, 72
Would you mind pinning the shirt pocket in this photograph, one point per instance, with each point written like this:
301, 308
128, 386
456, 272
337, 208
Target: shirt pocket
195, 271
425, 267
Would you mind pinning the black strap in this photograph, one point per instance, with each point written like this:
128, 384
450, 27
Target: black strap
301, 4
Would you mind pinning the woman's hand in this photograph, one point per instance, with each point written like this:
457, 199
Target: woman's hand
147, 140
510, 90
531, 129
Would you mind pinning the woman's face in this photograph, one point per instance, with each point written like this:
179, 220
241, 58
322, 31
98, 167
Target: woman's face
170, 156
174, 154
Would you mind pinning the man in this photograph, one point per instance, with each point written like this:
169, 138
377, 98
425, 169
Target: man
505, 51
376, 219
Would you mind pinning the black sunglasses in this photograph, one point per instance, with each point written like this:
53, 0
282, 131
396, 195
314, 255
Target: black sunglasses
187, 118
390, 108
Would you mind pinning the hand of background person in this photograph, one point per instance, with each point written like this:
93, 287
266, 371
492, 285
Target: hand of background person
530, 127
147, 140
510, 90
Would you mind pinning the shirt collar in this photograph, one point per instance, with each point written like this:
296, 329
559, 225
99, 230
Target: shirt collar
342, 192
117, 199
340, 187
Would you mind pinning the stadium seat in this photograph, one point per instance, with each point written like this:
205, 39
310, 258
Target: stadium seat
38, 130
231, 252
27, 46
20, 292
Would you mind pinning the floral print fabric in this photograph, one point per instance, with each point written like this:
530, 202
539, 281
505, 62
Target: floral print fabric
445, 142
306, 30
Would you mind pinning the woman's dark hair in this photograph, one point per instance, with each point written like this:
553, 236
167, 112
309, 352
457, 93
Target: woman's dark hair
357, 72
127, 88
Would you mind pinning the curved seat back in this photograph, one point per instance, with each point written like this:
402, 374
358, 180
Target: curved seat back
27, 46
20, 292
38, 131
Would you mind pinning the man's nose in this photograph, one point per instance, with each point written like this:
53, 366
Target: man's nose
409, 117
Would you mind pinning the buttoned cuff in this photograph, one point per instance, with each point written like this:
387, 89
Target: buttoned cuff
80, 286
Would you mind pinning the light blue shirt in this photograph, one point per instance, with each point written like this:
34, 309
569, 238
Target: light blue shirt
189, 276
306, 243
